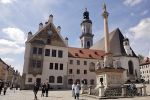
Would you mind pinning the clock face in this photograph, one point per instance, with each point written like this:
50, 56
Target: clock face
49, 32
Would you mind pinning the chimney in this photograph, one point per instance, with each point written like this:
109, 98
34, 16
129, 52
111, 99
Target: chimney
29, 35
50, 18
40, 26
59, 29
66, 40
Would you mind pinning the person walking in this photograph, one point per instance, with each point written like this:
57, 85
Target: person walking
77, 90
73, 92
35, 90
5, 89
47, 89
1, 87
43, 89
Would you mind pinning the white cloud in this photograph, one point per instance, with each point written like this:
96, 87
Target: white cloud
139, 36
7, 1
142, 29
14, 34
132, 2
144, 12
8, 60
13, 42
10, 47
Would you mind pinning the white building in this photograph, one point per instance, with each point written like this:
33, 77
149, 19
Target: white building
48, 58
145, 70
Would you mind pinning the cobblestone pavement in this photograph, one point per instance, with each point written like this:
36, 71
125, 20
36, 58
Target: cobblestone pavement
28, 95
53, 95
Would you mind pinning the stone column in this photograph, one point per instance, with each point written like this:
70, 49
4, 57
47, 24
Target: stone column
101, 91
144, 90
123, 90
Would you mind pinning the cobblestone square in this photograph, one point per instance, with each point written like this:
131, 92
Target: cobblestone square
53, 95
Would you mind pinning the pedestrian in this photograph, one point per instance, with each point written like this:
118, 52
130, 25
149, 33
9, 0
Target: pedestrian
77, 88
43, 89
5, 89
35, 90
73, 92
47, 89
1, 87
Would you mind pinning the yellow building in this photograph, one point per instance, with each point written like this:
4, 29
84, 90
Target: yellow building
3, 68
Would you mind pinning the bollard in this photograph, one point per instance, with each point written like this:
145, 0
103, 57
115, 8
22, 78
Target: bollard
89, 92
101, 91
82, 89
144, 90
123, 90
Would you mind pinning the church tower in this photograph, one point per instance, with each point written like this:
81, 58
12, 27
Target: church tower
127, 47
86, 31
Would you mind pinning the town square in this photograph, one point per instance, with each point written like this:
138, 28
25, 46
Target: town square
74, 49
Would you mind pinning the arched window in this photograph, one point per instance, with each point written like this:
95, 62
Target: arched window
131, 67
91, 82
84, 81
59, 79
70, 81
78, 80
88, 44
51, 79
92, 67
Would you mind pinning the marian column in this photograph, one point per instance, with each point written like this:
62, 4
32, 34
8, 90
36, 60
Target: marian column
107, 58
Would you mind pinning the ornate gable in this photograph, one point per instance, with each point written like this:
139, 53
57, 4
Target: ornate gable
48, 35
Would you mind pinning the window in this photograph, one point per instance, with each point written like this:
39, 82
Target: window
38, 80
85, 81
47, 52
34, 50
91, 82
61, 66
78, 71
40, 51
29, 79
48, 41
78, 62
51, 79
71, 61
85, 71
33, 63
70, 71
51, 66
131, 68
53, 53
59, 79
38, 64
88, 44
70, 81
56, 66
85, 62
78, 80
60, 53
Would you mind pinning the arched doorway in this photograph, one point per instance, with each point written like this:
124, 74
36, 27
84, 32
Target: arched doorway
131, 67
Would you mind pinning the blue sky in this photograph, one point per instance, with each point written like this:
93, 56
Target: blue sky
18, 17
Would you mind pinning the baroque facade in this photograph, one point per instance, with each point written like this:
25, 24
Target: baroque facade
48, 58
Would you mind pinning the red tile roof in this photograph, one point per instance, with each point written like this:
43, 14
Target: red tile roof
145, 62
85, 53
